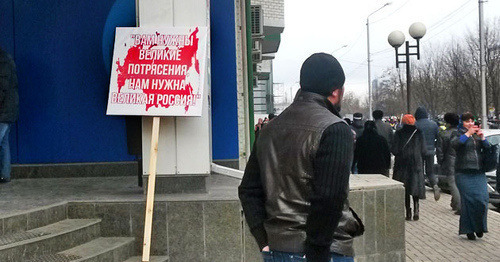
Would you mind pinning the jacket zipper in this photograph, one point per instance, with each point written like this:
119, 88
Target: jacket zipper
475, 152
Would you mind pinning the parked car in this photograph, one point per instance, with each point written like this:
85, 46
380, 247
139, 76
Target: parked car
493, 136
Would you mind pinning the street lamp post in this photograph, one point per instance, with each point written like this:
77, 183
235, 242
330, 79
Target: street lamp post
396, 39
368, 59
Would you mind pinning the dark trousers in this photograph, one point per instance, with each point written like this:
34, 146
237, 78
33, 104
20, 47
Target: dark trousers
429, 171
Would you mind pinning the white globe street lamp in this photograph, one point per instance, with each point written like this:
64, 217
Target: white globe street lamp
396, 39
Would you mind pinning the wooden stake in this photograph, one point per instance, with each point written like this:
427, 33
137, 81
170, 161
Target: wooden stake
148, 223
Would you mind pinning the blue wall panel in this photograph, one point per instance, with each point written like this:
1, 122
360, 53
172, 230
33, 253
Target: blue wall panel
224, 90
64, 84
7, 44
62, 51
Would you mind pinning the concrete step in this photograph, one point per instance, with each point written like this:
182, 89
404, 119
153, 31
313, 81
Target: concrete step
151, 259
48, 239
30, 219
104, 249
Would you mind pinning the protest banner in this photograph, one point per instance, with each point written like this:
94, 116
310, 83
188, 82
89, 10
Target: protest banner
157, 72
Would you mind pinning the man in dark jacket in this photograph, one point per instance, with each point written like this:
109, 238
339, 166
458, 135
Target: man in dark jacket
384, 129
430, 130
9, 110
372, 154
446, 157
358, 124
295, 186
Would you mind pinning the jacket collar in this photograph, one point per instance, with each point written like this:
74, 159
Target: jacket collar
317, 99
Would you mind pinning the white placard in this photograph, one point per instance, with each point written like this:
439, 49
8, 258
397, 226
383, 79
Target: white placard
158, 71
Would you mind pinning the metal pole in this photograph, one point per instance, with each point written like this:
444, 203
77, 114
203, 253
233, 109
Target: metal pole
368, 60
484, 117
408, 78
369, 68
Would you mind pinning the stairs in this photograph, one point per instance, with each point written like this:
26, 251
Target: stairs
65, 240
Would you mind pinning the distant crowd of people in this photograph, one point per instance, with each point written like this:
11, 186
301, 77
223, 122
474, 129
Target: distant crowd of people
415, 143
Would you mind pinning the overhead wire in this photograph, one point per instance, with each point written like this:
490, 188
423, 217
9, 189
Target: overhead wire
393, 12
435, 25
439, 23
452, 24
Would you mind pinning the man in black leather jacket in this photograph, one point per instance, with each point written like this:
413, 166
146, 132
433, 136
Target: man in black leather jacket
446, 157
294, 190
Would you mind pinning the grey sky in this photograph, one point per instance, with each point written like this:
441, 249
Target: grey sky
326, 26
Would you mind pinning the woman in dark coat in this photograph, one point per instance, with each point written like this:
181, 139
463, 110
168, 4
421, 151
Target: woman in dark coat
372, 154
470, 178
409, 149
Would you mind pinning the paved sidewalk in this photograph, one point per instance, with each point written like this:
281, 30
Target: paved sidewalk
435, 236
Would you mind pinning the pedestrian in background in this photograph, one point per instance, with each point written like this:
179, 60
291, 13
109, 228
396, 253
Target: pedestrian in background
295, 186
409, 150
446, 157
470, 178
430, 130
9, 110
348, 121
260, 124
384, 129
357, 124
372, 154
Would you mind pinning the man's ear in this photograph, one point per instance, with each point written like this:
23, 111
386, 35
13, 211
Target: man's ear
336, 95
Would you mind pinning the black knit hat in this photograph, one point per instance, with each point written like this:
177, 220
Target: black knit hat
451, 118
378, 114
321, 73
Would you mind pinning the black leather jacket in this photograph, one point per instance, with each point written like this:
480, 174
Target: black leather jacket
444, 151
468, 154
288, 163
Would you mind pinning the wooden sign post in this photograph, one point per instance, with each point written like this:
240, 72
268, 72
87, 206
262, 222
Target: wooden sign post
157, 71
150, 199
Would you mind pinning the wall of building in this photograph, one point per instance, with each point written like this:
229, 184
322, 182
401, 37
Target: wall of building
63, 82
224, 80
60, 50
242, 85
273, 9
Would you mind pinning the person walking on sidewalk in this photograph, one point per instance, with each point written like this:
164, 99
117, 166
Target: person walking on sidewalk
470, 178
9, 110
295, 186
409, 150
446, 157
384, 129
372, 154
430, 131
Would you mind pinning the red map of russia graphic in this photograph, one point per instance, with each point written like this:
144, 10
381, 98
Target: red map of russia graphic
158, 74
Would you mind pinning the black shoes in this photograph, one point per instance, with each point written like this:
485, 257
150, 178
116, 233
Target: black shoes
408, 214
471, 236
416, 205
4, 180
